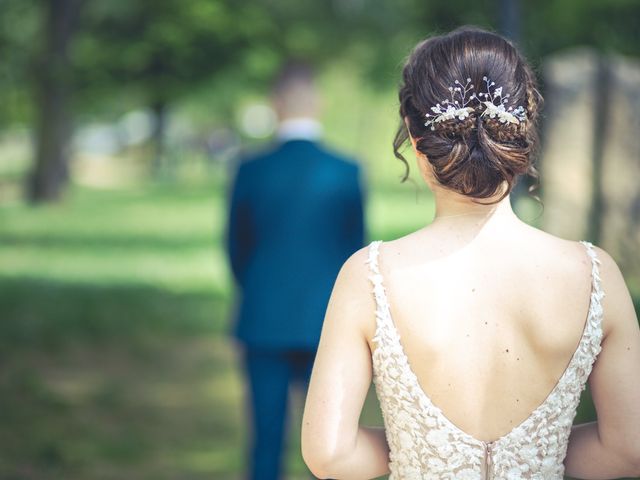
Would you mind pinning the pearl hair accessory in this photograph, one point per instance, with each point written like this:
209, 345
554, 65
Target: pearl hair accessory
505, 115
458, 108
454, 108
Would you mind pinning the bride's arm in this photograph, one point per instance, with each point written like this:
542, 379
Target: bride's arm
610, 447
334, 445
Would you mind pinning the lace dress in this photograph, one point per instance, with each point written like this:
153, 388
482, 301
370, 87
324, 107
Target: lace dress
425, 445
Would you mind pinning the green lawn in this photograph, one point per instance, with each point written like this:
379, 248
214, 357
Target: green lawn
114, 359
114, 362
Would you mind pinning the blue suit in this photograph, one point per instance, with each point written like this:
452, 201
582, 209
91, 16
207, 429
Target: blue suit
296, 214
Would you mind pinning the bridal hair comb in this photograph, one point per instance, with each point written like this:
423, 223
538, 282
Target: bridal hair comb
505, 115
454, 108
458, 109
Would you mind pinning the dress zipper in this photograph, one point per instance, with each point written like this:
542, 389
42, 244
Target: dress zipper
488, 461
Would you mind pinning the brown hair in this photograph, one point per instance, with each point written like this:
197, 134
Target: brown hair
474, 156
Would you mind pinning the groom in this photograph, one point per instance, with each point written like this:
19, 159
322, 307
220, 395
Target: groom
296, 214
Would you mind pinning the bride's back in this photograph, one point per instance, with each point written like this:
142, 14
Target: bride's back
488, 315
482, 331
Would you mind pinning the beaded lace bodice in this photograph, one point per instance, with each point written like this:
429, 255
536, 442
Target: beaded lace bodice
425, 445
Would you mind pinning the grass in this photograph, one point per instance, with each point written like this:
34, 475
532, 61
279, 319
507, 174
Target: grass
114, 358
114, 355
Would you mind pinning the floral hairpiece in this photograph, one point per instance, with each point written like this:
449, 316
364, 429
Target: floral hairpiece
458, 108
505, 115
454, 108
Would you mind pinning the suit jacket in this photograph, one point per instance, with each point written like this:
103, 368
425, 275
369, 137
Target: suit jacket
296, 214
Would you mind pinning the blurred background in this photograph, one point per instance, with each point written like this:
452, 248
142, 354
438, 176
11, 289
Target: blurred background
120, 125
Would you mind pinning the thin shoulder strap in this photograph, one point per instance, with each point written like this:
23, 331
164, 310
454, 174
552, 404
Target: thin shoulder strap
595, 261
373, 257
597, 292
382, 305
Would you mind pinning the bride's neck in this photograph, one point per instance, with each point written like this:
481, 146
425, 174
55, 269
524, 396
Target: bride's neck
454, 205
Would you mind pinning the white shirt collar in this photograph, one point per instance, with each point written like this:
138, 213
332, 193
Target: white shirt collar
301, 128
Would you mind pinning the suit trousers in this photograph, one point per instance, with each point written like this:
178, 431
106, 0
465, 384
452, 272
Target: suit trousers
270, 372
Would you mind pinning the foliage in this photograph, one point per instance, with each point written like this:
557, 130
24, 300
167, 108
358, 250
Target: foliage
136, 52
20, 22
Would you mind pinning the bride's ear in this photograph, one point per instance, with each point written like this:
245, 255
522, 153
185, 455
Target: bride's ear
423, 162
417, 152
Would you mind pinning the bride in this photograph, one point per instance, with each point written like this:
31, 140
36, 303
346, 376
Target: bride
478, 330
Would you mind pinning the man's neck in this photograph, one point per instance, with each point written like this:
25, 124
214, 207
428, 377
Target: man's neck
299, 128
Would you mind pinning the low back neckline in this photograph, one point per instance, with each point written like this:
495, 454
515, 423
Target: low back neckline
378, 279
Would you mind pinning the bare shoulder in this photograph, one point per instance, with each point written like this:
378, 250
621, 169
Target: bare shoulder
522, 241
355, 271
396, 248
619, 311
609, 268
352, 288
567, 255
352, 292
617, 303
565, 251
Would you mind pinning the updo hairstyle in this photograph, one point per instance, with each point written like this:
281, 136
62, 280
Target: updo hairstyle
474, 156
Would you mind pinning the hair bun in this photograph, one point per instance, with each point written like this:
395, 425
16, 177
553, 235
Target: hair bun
456, 127
486, 133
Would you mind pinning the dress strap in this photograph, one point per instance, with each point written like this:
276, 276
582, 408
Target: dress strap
595, 270
595, 308
373, 257
382, 305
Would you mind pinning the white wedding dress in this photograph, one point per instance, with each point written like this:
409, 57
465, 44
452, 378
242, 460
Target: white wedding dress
425, 445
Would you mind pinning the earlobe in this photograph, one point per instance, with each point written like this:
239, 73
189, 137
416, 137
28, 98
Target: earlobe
411, 139
424, 165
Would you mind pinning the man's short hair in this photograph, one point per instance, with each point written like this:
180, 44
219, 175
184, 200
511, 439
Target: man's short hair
293, 74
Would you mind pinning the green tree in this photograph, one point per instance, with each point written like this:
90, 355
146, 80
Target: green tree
52, 94
106, 57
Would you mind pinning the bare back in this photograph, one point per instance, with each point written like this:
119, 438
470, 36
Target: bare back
489, 320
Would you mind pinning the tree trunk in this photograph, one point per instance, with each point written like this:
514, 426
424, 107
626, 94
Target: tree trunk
161, 166
600, 122
52, 96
